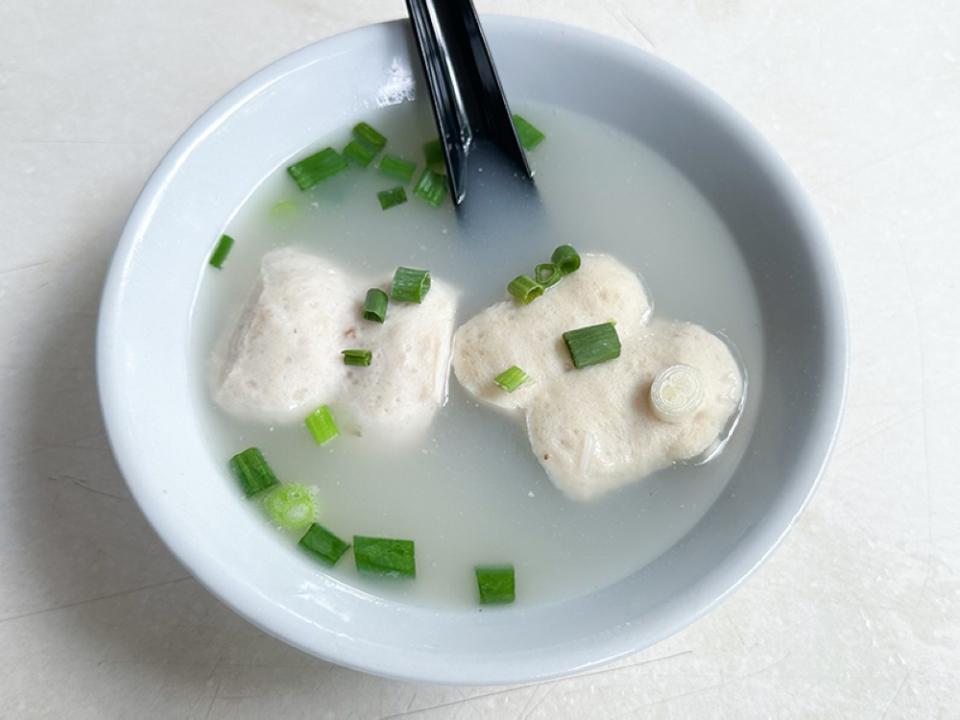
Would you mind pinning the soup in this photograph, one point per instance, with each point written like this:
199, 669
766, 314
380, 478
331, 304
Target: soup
469, 491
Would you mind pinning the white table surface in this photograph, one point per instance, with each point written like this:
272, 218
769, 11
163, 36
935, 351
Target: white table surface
857, 615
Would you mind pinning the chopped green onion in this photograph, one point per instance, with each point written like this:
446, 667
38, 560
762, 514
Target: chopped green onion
317, 168
593, 344
511, 378
384, 556
253, 472
370, 137
432, 187
392, 197
375, 305
676, 393
359, 152
547, 274
396, 167
525, 289
566, 258
361, 358
220, 252
321, 425
433, 152
496, 584
291, 506
410, 285
284, 209
529, 135
322, 543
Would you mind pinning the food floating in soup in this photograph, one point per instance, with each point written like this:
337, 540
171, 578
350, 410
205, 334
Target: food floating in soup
608, 395
315, 335
482, 408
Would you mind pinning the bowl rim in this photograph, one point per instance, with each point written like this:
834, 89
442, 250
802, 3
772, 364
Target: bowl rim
711, 590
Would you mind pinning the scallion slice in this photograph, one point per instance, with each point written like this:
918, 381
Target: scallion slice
593, 344
676, 393
496, 583
392, 197
253, 472
368, 136
359, 152
410, 285
384, 556
396, 167
323, 544
547, 274
375, 305
432, 187
525, 289
284, 209
360, 358
566, 258
529, 135
433, 152
290, 506
317, 168
321, 425
220, 252
511, 378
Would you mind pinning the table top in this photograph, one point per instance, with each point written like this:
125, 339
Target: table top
857, 615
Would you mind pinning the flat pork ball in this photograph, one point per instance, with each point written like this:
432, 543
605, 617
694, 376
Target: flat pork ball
529, 336
284, 357
593, 429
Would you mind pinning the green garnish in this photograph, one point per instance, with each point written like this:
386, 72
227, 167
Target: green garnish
525, 289
369, 137
433, 152
566, 258
317, 168
392, 197
511, 378
593, 344
384, 556
410, 285
322, 543
321, 425
496, 584
290, 506
359, 152
375, 305
432, 187
253, 472
284, 209
547, 274
529, 135
220, 252
396, 167
360, 358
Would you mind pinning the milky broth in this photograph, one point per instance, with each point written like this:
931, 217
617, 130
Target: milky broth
471, 491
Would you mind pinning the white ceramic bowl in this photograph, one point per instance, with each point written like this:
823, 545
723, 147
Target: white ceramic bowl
150, 388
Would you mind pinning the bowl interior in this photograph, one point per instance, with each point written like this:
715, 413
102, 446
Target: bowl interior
150, 388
